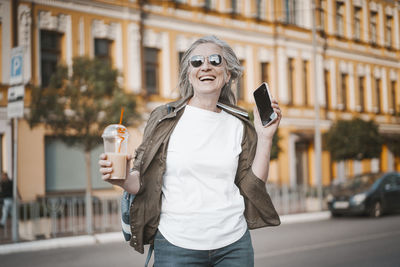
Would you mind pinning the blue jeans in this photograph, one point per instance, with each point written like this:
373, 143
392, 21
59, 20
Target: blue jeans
237, 254
7, 205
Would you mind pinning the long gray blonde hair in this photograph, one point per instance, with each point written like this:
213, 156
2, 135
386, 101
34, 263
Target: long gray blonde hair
232, 65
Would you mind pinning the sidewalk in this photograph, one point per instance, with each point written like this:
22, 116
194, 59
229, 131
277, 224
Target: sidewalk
103, 238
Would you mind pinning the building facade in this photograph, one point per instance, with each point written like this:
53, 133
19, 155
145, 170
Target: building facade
357, 70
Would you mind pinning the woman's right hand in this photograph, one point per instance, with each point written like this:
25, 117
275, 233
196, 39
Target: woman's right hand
106, 170
105, 167
130, 184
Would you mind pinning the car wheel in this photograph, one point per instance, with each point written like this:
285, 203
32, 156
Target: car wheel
335, 215
376, 210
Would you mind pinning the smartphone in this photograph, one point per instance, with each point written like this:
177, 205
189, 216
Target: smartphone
262, 96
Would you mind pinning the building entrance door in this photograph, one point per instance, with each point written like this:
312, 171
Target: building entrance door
302, 160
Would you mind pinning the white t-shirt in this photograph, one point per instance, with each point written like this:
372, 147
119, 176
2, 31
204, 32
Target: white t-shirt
201, 206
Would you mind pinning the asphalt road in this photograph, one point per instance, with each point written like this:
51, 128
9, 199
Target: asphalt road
352, 242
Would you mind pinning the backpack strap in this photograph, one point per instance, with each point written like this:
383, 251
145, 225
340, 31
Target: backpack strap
126, 202
149, 253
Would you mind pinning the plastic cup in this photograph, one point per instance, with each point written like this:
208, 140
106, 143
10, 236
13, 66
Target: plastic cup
115, 137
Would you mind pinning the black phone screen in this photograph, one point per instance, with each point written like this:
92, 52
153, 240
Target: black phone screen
263, 102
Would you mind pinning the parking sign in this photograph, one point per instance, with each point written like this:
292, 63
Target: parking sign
15, 107
17, 60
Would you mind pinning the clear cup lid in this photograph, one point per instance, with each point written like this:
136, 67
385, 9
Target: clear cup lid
115, 130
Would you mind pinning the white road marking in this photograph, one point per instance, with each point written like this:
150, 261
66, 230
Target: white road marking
280, 252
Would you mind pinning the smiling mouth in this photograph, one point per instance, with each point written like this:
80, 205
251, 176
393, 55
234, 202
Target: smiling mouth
207, 78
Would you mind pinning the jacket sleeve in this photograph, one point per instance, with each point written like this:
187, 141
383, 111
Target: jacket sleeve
259, 209
148, 130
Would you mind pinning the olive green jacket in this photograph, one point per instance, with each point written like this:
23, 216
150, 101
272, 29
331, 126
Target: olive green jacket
150, 161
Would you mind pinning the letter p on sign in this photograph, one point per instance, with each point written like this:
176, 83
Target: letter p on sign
16, 66
17, 72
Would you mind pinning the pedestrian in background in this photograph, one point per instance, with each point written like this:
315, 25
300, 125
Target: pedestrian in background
6, 187
199, 175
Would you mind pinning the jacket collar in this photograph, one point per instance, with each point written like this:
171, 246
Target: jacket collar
178, 104
174, 107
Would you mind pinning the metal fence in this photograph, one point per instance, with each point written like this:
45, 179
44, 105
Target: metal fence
65, 215
289, 200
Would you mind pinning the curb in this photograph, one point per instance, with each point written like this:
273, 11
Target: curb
62, 242
73, 241
305, 217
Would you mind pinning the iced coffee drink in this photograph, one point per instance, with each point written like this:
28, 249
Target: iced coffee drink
115, 138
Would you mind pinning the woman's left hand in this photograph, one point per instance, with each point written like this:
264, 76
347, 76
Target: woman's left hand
267, 132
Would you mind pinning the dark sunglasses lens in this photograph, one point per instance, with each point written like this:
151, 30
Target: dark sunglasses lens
196, 61
215, 60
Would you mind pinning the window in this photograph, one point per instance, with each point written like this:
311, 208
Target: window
240, 85
2, 153
305, 82
50, 53
373, 30
343, 92
152, 70
321, 13
393, 95
264, 72
326, 84
259, 9
398, 181
357, 23
1, 49
180, 56
378, 95
339, 18
291, 11
389, 21
290, 80
361, 93
207, 4
235, 7
102, 48
64, 165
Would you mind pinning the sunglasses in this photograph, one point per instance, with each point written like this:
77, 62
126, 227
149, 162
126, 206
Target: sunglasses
197, 61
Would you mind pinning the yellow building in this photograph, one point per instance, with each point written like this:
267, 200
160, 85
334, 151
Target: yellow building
357, 70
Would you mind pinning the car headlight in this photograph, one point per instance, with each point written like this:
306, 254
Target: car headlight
359, 198
329, 198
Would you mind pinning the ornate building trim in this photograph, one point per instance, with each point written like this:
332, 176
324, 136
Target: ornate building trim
104, 31
357, 3
24, 38
373, 6
152, 39
52, 23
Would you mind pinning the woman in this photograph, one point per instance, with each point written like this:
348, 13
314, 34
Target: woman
6, 192
199, 175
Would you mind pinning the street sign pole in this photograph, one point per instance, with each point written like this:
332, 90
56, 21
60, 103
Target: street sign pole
15, 231
317, 131
15, 110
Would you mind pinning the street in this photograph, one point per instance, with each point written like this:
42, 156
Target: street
347, 241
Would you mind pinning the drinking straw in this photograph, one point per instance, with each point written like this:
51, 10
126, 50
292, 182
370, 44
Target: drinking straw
120, 130
122, 114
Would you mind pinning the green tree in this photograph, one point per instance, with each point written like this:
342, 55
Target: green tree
393, 140
78, 106
353, 139
393, 143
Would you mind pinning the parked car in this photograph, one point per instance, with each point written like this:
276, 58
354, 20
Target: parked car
373, 194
